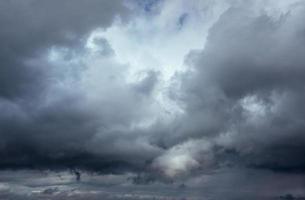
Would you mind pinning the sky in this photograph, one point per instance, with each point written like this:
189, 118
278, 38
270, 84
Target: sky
152, 99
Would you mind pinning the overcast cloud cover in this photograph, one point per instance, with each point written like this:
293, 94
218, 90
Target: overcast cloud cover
152, 99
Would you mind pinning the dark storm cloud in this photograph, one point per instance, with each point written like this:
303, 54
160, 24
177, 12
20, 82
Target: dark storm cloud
44, 137
242, 99
42, 126
246, 90
75, 133
29, 27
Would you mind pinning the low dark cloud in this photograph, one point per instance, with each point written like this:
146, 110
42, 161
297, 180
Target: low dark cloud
50, 185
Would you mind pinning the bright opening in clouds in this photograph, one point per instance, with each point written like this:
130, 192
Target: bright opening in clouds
152, 99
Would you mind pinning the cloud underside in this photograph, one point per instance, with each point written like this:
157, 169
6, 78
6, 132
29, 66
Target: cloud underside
66, 106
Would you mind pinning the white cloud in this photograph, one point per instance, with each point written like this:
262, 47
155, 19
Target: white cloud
185, 157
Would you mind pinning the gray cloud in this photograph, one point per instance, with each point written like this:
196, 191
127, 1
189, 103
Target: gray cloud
65, 105
50, 185
246, 89
45, 125
28, 28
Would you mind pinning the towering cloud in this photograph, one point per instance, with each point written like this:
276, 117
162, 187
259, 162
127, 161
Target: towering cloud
246, 88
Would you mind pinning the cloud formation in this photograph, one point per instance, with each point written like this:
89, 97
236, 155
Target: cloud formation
159, 90
246, 88
44, 121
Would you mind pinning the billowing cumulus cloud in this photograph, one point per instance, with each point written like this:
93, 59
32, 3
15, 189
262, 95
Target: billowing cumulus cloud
169, 99
58, 95
247, 85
